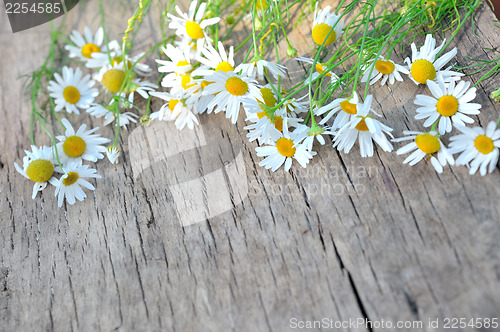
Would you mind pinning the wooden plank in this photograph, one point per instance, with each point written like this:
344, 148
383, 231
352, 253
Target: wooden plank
345, 238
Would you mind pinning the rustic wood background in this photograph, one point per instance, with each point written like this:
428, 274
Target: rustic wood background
345, 238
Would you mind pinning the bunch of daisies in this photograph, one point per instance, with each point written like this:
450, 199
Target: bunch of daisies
120, 76
201, 76
449, 105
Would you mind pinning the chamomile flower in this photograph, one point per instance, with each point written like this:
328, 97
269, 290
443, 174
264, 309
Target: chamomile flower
449, 103
384, 69
258, 67
175, 110
195, 98
478, 147
267, 126
179, 63
124, 118
425, 145
82, 144
327, 26
72, 91
425, 66
364, 127
311, 133
215, 60
230, 90
192, 25
38, 166
103, 60
345, 108
113, 153
68, 186
286, 148
292, 107
319, 69
87, 45
143, 88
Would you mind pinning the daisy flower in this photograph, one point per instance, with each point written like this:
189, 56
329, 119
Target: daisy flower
175, 110
143, 88
362, 125
267, 127
478, 147
449, 103
425, 145
319, 69
195, 98
292, 107
86, 46
215, 60
284, 149
327, 26
257, 68
112, 152
230, 90
425, 66
75, 146
69, 184
72, 91
192, 25
179, 63
38, 166
102, 60
311, 133
124, 118
345, 107
384, 69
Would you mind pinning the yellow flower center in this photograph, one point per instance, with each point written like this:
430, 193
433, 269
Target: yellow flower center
40, 170
194, 30
261, 5
484, 144
278, 123
71, 94
384, 67
90, 48
182, 63
113, 79
268, 96
348, 107
185, 80
423, 70
118, 59
71, 178
74, 146
447, 105
285, 147
172, 103
204, 84
236, 86
428, 143
224, 66
361, 126
321, 68
319, 33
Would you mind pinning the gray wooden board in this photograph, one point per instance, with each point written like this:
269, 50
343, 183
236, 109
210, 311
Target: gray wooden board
346, 238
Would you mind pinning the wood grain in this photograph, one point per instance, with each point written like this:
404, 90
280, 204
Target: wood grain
345, 238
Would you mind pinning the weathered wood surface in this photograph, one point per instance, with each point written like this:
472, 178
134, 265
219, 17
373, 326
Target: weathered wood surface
345, 238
